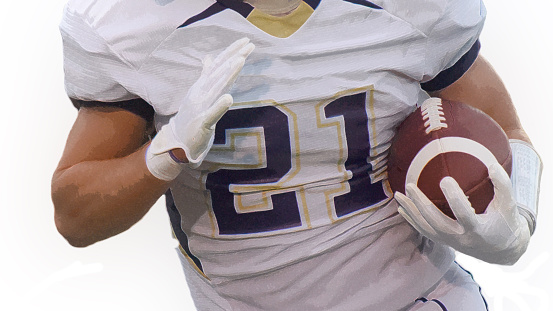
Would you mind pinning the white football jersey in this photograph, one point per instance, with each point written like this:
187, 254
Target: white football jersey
291, 209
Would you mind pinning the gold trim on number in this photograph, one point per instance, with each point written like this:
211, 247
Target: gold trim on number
323, 122
296, 166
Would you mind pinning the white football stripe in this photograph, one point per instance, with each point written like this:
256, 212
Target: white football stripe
444, 145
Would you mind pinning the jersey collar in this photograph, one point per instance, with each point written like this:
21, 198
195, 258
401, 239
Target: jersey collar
245, 9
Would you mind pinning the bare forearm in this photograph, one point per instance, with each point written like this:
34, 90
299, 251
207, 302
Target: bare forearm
95, 200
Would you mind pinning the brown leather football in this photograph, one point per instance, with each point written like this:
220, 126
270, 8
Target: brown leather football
443, 138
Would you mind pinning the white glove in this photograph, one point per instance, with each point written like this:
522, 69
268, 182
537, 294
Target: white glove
192, 128
499, 235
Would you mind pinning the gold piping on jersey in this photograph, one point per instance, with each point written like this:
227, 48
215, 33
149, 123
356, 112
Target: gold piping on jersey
192, 263
381, 175
323, 122
261, 162
343, 188
305, 209
296, 166
372, 123
233, 135
240, 189
281, 26
265, 204
260, 194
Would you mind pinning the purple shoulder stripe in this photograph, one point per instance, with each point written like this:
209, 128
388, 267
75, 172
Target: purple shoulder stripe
453, 73
240, 7
210, 11
365, 3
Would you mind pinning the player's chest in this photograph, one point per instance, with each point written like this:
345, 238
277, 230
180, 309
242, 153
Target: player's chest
328, 55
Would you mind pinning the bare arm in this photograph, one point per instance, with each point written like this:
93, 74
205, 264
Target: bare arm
482, 88
104, 182
102, 186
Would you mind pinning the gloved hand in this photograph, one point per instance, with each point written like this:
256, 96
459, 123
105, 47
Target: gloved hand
192, 128
499, 235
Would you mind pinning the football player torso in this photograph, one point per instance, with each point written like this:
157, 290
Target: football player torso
291, 208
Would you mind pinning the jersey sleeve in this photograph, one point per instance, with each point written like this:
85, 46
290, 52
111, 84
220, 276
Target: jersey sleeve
452, 43
93, 70
137, 106
446, 77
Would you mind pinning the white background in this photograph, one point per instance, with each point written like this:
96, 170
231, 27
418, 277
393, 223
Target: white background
138, 270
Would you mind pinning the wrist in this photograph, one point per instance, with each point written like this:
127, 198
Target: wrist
178, 155
525, 178
518, 246
163, 166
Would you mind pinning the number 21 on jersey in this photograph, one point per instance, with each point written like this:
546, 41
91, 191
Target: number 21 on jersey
287, 167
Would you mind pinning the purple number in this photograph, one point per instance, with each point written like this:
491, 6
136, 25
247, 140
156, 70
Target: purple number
285, 213
363, 192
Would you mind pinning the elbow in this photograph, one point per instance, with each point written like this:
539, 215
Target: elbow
67, 214
73, 237
68, 219
71, 231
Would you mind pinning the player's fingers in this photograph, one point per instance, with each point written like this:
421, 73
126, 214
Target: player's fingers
238, 57
458, 202
207, 63
246, 50
214, 113
213, 85
413, 223
410, 212
222, 77
503, 189
230, 52
430, 212
225, 76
